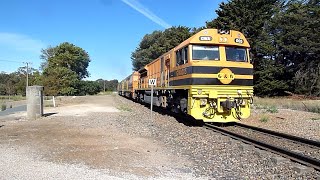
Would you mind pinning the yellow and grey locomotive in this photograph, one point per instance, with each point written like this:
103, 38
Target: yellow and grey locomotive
208, 76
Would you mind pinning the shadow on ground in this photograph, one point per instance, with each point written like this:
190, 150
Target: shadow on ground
48, 114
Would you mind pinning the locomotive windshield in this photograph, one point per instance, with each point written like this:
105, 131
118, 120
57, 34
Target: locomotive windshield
236, 54
205, 52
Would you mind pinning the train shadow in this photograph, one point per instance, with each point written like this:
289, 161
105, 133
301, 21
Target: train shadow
185, 119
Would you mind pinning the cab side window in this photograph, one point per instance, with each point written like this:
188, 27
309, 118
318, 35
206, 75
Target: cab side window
182, 56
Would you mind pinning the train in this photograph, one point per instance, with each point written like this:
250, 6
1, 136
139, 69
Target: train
209, 76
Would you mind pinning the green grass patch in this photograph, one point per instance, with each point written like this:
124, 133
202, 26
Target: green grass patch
124, 108
272, 109
3, 107
258, 106
264, 118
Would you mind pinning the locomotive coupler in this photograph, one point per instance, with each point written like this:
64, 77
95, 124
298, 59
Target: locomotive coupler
227, 105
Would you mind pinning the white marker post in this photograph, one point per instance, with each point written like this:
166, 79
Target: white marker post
152, 82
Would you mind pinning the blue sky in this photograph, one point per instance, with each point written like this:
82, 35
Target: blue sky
109, 30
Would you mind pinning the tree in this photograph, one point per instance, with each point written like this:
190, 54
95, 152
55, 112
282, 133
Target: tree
157, 43
252, 18
88, 88
59, 81
295, 32
66, 65
69, 56
45, 56
21, 76
107, 85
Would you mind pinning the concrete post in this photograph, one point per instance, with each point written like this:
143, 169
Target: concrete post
34, 102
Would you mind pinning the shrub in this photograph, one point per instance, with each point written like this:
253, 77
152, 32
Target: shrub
3, 107
272, 109
264, 118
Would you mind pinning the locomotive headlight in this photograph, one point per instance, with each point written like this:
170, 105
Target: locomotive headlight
199, 91
203, 102
239, 92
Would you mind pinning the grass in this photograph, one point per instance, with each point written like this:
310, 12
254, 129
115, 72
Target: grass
272, 109
124, 108
3, 107
273, 104
106, 93
48, 105
264, 118
315, 118
13, 98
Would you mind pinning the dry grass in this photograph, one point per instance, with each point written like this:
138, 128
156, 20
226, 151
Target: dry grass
124, 108
107, 93
271, 104
13, 98
264, 118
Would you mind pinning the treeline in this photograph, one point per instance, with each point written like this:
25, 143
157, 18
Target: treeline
64, 68
158, 42
15, 83
284, 37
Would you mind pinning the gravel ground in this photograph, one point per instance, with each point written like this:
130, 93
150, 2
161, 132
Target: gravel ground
24, 164
311, 151
117, 139
298, 123
214, 155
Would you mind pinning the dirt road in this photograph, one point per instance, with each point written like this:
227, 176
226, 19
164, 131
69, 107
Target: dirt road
80, 136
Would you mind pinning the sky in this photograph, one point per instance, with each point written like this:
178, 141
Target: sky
109, 30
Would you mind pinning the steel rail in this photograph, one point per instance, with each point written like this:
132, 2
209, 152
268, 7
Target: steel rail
282, 135
306, 160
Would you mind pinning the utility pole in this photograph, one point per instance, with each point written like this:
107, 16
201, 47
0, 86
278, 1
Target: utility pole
27, 83
104, 85
27, 74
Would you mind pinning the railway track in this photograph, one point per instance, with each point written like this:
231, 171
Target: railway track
297, 149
